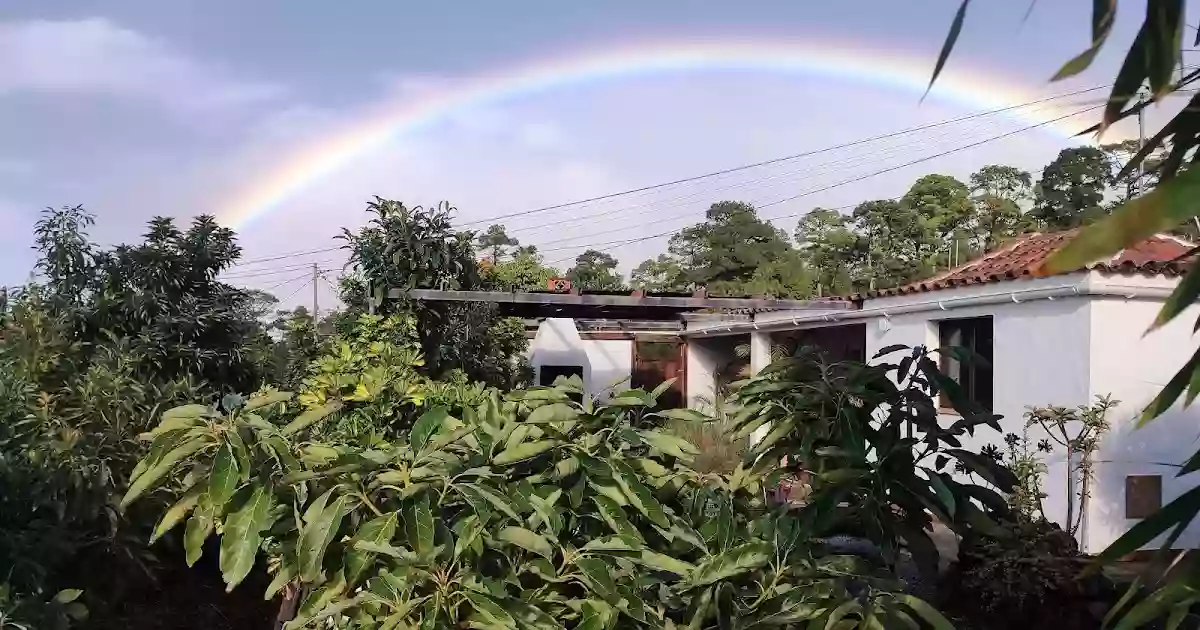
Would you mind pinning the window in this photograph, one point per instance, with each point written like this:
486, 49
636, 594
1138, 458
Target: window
1143, 495
975, 377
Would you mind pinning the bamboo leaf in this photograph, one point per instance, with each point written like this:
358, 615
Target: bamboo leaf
1104, 13
1183, 296
931, 616
640, 497
1182, 510
1156, 605
1168, 205
598, 576
948, 45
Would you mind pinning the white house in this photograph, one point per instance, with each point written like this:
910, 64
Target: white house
1059, 340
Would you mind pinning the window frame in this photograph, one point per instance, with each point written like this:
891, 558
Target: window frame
981, 379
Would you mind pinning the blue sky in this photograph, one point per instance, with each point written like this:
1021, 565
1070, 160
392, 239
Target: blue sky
142, 108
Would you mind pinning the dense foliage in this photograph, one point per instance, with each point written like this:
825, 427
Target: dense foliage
1027, 578
404, 248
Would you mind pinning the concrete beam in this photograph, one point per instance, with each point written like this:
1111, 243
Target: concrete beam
586, 299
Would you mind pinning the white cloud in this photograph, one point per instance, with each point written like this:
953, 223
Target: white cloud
96, 55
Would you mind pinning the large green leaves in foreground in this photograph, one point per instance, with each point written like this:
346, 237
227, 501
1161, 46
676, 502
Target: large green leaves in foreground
531, 511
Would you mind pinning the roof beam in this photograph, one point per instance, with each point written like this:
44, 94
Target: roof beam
573, 299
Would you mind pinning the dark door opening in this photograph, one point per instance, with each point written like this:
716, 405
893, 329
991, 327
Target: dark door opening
655, 362
547, 374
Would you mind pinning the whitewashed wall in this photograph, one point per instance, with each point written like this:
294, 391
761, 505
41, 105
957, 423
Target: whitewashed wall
606, 363
1133, 367
1041, 356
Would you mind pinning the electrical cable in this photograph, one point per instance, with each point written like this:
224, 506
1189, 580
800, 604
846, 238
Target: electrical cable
616, 244
781, 159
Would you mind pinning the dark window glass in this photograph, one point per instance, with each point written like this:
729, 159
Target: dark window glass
974, 377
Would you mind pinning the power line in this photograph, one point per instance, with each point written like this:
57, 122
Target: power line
876, 157
660, 204
255, 261
780, 159
274, 271
293, 293
616, 244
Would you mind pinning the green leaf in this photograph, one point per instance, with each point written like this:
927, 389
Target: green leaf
418, 525
223, 478
944, 495
736, 561
311, 417
777, 432
176, 513
555, 412
198, 529
266, 400
489, 610
467, 531
1182, 510
154, 474
67, 595
285, 574
479, 492
1171, 391
1104, 13
528, 540
242, 535
931, 616
522, 452
379, 531
669, 445
597, 575
614, 517
1156, 605
948, 45
683, 415
426, 426
640, 497
661, 562
991, 470
1166, 206
594, 615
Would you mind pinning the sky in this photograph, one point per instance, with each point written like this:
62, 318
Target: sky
284, 118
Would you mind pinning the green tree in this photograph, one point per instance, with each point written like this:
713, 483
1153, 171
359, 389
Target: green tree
1072, 188
944, 213
891, 230
833, 249
495, 242
728, 248
998, 192
418, 248
663, 273
525, 271
596, 271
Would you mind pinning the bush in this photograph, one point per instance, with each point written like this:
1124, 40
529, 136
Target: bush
1029, 577
531, 511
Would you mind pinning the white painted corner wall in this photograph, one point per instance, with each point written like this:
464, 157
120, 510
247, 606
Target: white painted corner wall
1065, 352
607, 364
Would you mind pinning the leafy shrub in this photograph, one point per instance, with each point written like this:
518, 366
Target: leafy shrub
60, 612
531, 511
1027, 577
876, 454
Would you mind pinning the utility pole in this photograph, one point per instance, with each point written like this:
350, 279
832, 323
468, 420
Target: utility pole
315, 272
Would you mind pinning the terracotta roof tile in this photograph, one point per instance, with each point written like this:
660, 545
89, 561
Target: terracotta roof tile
1158, 255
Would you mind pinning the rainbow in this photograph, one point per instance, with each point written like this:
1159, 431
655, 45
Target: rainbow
977, 90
